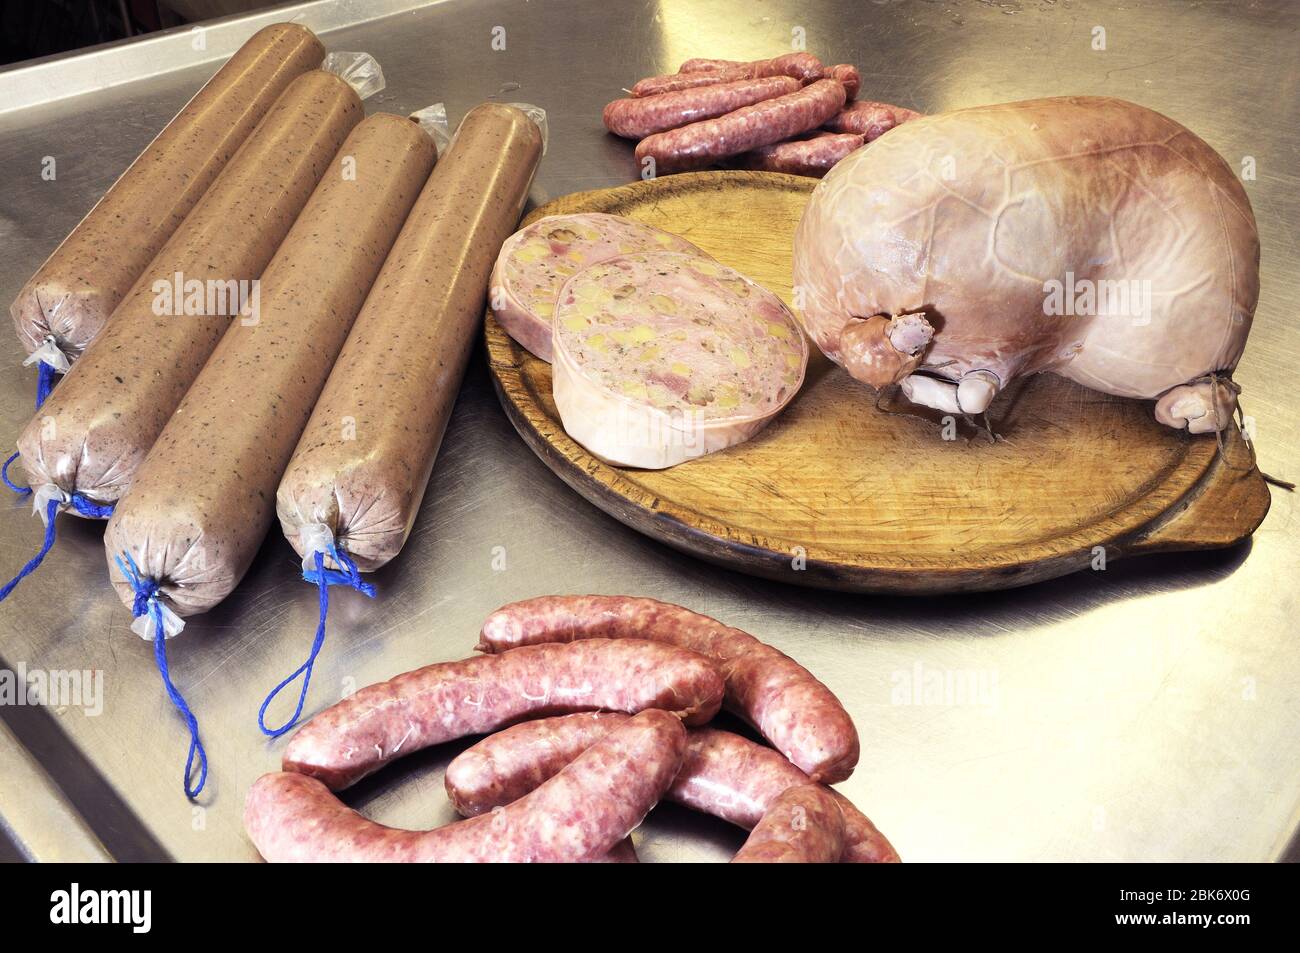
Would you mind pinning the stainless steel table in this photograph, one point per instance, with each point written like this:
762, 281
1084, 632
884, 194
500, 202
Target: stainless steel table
1150, 711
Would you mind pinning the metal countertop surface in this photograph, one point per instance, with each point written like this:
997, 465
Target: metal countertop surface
1147, 712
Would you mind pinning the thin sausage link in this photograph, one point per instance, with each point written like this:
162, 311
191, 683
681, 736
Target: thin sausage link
637, 118
703, 143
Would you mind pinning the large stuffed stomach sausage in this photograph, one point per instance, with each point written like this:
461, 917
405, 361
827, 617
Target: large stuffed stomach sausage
73, 293
364, 459
798, 714
578, 815
450, 700
97, 426
203, 500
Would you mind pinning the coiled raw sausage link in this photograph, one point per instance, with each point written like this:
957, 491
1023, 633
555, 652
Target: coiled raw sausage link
722, 774
802, 826
450, 700
799, 715
814, 156
73, 294
101, 421
703, 143
637, 118
578, 815
802, 66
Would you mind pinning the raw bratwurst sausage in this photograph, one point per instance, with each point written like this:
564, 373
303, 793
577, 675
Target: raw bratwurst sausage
97, 426
578, 815
869, 120
812, 156
802, 826
450, 700
801, 66
703, 143
364, 459
723, 774
203, 499
72, 295
799, 715
637, 118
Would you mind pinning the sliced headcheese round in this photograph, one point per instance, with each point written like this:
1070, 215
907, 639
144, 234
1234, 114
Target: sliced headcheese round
660, 357
536, 261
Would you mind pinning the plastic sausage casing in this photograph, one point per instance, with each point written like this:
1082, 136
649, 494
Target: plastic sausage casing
102, 420
364, 460
202, 501
72, 295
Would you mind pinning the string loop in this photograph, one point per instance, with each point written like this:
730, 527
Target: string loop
146, 602
350, 576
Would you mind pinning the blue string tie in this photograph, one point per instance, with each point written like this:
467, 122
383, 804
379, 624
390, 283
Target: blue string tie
350, 576
44, 382
146, 602
50, 361
57, 499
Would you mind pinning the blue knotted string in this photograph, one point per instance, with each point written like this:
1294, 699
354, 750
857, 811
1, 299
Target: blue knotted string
44, 382
81, 504
51, 511
324, 578
4, 475
146, 602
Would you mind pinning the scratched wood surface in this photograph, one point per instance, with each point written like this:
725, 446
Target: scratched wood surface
841, 493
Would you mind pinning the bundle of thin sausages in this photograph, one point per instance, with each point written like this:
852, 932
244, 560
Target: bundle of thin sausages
596, 695
785, 114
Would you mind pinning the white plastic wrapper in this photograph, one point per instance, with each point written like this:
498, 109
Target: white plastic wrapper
538, 115
433, 120
41, 496
316, 538
172, 623
361, 71
50, 353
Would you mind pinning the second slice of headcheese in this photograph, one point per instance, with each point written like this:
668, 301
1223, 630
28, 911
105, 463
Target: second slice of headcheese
660, 357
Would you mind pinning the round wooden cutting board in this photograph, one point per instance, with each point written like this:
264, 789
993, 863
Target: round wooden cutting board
841, 494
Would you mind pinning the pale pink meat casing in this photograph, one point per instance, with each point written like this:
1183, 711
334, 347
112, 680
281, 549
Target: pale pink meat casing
971, 216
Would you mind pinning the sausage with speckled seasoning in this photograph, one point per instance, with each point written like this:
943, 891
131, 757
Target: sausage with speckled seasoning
813, 155
203, 499
101, 421
869, 120
703, 143
799, 715
578, 815
802, 66
848, 75
450, 700
364, 459
723, 774
72, 295
802, 826
638, 117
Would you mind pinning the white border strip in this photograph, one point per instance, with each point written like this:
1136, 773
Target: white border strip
52, 78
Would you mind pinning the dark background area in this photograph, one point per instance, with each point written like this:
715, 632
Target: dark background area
33, 28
